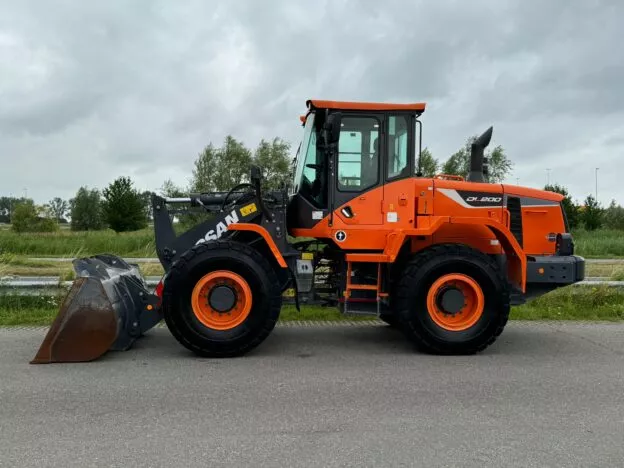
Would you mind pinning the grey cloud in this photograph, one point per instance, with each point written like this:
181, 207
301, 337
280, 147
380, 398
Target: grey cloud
139, 88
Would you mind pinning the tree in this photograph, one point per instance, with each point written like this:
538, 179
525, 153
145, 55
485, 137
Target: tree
499, 164
123, 206
29, 218
7, 204
614, 216
428, 164
571, 209
220, 169
58, 208
170, 190
591, 214
205, 169
146, 199
86, 210
273, 158
457, 164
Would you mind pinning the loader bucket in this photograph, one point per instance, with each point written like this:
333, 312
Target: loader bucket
107, 308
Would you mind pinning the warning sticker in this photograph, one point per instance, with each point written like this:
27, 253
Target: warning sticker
247, 210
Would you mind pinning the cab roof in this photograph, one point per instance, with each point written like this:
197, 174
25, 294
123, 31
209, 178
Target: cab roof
418, 107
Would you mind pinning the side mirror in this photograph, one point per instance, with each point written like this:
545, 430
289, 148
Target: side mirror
332, 127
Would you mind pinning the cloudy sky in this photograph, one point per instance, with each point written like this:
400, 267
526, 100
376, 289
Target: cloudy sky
93, 90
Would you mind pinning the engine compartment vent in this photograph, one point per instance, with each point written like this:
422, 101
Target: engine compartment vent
515, 218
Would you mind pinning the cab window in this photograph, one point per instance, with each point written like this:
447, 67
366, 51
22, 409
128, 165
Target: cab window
397, 162
358, 154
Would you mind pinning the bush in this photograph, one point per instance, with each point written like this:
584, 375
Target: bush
124, 207
614, 216
86, 210
28, 218
592, 214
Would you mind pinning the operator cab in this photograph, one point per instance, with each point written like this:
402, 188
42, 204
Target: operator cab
349, 148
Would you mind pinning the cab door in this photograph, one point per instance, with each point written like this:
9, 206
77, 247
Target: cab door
358, 185
399, 187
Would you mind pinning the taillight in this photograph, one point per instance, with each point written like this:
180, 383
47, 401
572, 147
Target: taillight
159, 289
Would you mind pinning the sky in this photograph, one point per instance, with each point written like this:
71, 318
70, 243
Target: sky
90, 91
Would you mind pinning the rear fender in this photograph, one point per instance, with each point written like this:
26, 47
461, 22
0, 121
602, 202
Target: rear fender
516, 258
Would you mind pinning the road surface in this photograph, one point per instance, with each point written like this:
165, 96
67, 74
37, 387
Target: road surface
546, 394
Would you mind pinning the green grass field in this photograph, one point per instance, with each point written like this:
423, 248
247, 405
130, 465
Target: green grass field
572, 303
603, 243
66, 243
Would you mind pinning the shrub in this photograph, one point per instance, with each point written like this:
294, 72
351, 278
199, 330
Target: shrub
124, 207
592, 214
29, 218
86, 210
614, 216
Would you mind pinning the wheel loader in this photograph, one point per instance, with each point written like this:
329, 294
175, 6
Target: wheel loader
441, 258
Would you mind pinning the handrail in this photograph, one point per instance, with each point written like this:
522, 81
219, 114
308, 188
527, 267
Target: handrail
448, 177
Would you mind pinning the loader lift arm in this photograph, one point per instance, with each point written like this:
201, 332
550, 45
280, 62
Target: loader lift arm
250, 215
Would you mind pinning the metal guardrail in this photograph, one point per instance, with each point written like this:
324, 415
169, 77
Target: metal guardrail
49, 282
155, 260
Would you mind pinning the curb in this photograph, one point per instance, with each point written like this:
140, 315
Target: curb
287, 324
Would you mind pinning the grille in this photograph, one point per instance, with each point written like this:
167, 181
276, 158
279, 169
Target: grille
515, 220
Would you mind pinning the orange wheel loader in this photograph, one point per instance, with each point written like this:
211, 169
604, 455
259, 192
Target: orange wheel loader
443, 259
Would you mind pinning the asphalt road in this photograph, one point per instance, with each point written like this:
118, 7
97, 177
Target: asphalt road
546, 394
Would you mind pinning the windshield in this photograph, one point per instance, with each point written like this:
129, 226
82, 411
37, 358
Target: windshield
309, 140
311, 172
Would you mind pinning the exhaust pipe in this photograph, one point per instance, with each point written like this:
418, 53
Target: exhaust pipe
478, 172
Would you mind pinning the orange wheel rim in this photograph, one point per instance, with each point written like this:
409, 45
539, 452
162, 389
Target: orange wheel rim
464, 312
235, 303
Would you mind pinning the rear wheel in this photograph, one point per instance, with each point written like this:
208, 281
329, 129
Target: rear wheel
452, 299
221, 299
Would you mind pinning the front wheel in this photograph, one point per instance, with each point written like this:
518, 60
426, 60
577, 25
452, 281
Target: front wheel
221, 299
452, 299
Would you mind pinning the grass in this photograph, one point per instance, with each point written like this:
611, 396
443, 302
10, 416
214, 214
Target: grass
618, 274
75, 244
575, 303
603, 243
19, 265
572, 303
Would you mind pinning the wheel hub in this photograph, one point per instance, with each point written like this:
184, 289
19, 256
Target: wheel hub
222, 298
451, 300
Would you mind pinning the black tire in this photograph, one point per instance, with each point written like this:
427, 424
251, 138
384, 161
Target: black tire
411, 301
234, 257
390, 319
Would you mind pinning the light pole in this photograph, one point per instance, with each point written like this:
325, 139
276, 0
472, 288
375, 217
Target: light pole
597, 184
547, 176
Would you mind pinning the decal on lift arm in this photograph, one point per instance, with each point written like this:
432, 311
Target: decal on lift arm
247, 210
221, 227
